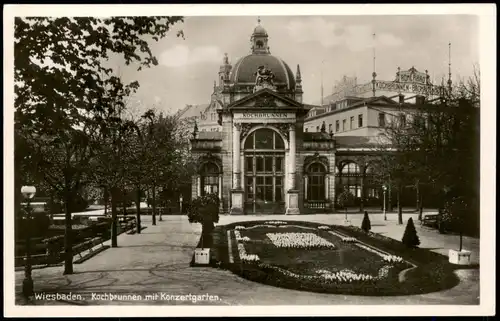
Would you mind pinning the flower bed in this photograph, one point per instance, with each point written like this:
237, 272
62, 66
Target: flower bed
276, 222
346, 268
298, 240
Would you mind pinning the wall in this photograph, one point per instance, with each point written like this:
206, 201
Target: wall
340, 116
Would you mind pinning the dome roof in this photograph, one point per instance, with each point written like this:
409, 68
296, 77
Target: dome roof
245, 68
259, 31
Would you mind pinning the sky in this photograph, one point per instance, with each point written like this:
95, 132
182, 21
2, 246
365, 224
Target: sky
327, 47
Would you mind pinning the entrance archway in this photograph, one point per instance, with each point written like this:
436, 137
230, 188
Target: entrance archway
264, 153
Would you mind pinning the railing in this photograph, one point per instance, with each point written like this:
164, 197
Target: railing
317, 205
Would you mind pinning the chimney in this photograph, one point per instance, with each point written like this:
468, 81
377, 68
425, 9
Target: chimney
419, 100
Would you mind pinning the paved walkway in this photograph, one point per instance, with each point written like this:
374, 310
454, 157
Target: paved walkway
157, 261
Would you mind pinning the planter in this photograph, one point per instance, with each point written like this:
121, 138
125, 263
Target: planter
459, 257
202, 256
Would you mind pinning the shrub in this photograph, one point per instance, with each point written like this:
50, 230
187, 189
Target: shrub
366, 225
410, 237
204, 210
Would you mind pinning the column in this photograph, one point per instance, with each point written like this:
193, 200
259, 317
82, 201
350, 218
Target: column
293, 192
198, 186
236, 157
237, 191
221, 206
292, 155
327, 186
306, 181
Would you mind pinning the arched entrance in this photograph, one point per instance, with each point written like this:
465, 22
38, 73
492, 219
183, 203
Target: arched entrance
264, 154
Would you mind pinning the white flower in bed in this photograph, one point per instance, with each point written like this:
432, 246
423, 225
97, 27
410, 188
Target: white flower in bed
298, 240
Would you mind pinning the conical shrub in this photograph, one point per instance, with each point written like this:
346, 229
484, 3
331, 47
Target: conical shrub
410, 237
366, 225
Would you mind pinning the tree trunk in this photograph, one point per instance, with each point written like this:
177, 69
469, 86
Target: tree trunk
68, 236
114, 219
124, 205
417, 207
361, 203
389, 198
400, 207
153, 201
105, 200
461, 240
421, 207
138, 210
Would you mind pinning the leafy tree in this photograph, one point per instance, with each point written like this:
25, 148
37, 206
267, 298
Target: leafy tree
345, 199
205, 210
61, 85
410, 237
433, 134
366, 225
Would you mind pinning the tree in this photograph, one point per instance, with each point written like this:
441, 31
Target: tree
60, 85
429, 137
366, 225
205, 210
345, 199
168, 161
410, 237
62, 161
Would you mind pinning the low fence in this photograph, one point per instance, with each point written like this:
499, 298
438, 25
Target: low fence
84, 239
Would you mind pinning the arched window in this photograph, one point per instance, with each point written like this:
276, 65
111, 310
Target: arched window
264, 139
264, 171
350, 178
316, 182
209, 179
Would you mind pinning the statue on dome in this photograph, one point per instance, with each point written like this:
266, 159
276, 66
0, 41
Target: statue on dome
264, 76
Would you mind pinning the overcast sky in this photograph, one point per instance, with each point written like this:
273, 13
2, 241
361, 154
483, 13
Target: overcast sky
188, 67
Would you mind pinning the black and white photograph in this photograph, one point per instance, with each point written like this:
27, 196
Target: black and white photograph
259, 159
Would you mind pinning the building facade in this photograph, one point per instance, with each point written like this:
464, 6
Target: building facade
266, 151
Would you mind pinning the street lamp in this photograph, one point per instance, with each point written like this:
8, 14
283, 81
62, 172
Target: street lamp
28, 193
384, 188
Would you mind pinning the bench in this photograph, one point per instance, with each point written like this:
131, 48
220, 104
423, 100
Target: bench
431, 220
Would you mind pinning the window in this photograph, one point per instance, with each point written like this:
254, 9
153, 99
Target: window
264, 139
360, 121
349, 178
317, 128
402, 119
209, 179
307, 129
330, 128
343, 124
337, 125
381, 120
264, 170
351, 124
316, 182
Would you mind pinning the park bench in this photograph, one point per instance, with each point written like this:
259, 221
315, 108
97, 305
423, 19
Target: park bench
87, 245
431, 220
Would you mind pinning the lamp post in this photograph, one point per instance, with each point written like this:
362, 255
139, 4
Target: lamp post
28, 193
384, 188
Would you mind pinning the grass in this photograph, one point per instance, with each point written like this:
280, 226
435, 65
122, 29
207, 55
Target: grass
432, 272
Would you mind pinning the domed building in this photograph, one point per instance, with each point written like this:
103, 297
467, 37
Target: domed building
262, 150
256, 157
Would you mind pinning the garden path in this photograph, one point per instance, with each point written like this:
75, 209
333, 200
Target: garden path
158, 261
